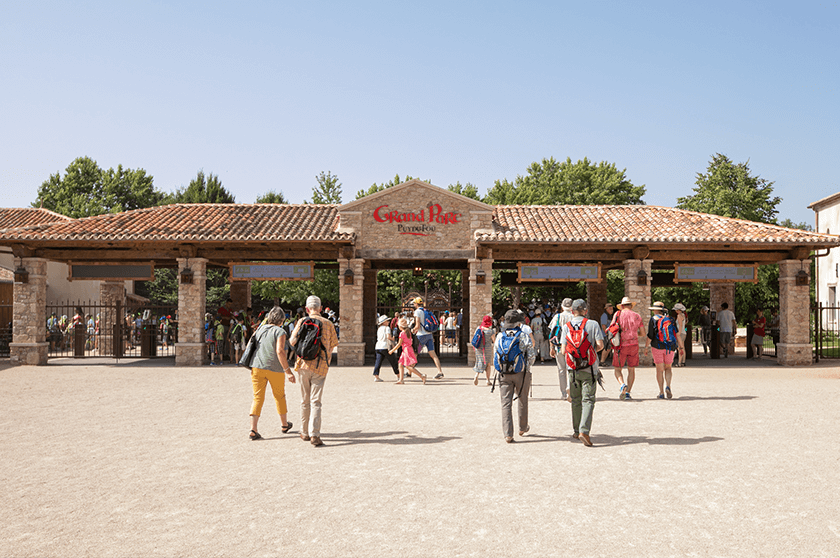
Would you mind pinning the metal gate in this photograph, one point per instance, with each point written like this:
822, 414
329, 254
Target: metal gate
448, 343
5, 318
825, 331
84, 330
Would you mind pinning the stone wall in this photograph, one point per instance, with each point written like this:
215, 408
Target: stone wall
640, 294
794, 348
29, 323
240, 293
190, 349
480, 300
351, 346
111, 293
718, 294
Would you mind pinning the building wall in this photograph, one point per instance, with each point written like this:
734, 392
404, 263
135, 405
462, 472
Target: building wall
828, 267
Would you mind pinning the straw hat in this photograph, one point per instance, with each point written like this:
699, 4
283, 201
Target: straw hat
658, 306
626, 302
418, 300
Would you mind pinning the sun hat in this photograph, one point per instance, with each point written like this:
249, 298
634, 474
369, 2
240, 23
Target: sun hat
538, 311
487, 322
513, 318
658, 306
567, 303
679, 306
382, 319
626, 302
418, 300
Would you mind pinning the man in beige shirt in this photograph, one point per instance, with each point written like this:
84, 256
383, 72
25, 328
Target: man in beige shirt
313, 373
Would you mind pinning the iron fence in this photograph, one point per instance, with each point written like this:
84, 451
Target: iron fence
825, 331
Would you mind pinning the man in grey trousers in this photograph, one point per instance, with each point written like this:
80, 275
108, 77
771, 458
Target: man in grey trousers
514, 384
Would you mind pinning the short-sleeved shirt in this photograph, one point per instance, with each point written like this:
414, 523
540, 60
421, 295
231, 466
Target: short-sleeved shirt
726, 317
266, 356
382, 341
420, 318
593, 333
329, 340
630, 322
759, 326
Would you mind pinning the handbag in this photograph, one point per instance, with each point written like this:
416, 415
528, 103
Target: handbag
250, 351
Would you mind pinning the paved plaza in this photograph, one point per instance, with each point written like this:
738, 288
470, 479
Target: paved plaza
146, 459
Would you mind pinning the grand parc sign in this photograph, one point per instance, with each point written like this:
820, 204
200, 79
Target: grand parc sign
427, 219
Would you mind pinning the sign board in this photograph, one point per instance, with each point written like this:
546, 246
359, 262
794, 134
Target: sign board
111, 272
247, 271
557, 272
715, 272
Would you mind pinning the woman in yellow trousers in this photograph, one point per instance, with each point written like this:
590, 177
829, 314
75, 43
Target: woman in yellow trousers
270, 366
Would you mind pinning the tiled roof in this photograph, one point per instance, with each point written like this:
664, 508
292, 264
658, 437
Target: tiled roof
197, 222
633, 223
25, 216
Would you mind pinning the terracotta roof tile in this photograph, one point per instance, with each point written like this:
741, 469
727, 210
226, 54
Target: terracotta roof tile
11, 218
633, 223
197, 222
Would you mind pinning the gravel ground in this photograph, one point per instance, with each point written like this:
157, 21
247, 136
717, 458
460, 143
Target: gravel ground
146, 459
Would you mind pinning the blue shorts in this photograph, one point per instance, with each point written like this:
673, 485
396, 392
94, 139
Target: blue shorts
427, 341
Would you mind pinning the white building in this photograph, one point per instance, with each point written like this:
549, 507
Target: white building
828, 267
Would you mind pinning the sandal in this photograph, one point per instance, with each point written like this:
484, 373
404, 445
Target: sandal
254, 435
287, 427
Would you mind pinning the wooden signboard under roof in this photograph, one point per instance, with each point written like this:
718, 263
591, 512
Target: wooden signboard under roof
713, 273
268, 271
554, 273
99, 271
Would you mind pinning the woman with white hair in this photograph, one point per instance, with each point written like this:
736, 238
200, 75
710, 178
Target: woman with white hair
268, 367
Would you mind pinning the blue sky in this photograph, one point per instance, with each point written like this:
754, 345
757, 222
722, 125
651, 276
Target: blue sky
268, 94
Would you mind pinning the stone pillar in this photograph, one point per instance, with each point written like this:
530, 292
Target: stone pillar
111, 293
190, 349
794, 348
481, 299
596, 296
351, 346
718, 294
369, 317
640, 294
29, 315
465, 334
240, 293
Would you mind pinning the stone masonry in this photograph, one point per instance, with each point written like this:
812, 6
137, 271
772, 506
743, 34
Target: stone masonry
29, 342
190, 349
794, 348
481, 299
240, 294
351, 346
110, 294
640, 294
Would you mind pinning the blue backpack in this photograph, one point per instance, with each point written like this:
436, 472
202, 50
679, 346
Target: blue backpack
508, 357
430, 323
666, 332
478, 338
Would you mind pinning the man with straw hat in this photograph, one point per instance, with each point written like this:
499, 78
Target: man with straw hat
630, 328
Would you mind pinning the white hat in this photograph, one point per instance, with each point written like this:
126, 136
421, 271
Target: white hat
626, 302
382, 319
679, 306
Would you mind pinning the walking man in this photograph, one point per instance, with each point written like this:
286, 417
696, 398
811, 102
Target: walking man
313, 373
583, 380
426, 338
517, 382
539, 336
728, 327
557, 322
630, 324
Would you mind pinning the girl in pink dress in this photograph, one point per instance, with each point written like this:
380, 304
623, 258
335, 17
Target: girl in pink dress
408, 358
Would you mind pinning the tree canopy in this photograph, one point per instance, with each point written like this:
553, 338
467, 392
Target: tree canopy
468, 190
86, 190
272, 197
328, 189
551, 182
374, 188
203, 189
729, 190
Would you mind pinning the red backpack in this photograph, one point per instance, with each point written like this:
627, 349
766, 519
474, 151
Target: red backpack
579, 351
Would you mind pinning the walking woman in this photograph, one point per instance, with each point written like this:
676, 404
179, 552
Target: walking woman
484, 352
268, 367
679, 308
383, 347
408, 358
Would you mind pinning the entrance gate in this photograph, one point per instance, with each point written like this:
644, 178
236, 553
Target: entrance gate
438, 302
825, 331
117, 331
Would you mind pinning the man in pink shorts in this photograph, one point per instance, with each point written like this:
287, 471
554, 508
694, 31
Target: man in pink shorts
627, 355
663, 355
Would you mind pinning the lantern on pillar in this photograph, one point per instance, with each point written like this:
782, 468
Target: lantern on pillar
187, 276
21, 275
802, 278
349, 277
641, 277
480, 277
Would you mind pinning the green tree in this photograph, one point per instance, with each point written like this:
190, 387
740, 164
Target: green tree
272, 197
729, 190
385, 185
86, 190
203, 189
294, 293
328, 189
803, 226
468, 190
551, 182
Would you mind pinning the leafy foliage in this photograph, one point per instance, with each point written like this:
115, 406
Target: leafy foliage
467, 190
86, 190
582, 183
328, 189
203, 189
379, 187
272, 197
803, 226
294, 293
729, 190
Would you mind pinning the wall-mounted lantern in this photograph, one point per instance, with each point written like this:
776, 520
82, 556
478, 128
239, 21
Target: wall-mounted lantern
349, 277
641, 277
21, 275
187, 276
418, 271
480, 277
802, 278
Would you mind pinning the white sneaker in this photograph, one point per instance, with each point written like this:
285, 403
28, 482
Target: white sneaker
377, 379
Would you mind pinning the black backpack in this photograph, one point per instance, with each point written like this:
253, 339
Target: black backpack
309, 345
